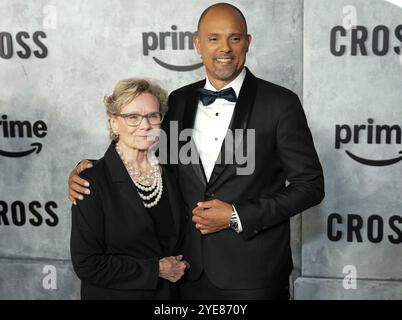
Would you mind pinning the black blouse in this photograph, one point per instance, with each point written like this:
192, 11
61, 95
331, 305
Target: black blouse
161, 214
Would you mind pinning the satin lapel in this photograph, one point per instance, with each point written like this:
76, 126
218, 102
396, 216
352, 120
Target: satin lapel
240, 118
188, 123
190, 110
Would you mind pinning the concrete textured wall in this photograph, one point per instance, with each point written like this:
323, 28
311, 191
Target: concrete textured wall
57, 61
356, 231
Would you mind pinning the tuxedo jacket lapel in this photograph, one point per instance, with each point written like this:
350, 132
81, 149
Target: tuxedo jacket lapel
175, 206
188, 123
190, 110
240, 118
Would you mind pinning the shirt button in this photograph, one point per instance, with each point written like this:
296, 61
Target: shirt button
217, 114
216, 139
255, 231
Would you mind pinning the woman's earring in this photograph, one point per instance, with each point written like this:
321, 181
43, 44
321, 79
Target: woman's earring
116, 135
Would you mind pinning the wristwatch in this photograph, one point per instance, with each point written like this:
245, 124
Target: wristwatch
234, 225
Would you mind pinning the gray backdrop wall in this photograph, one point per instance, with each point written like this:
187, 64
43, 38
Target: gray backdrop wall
58, 59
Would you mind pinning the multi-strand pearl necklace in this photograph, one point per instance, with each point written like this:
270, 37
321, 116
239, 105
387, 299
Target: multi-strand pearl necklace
155, 188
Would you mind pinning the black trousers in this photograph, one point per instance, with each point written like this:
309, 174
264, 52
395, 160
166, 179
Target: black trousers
203, 289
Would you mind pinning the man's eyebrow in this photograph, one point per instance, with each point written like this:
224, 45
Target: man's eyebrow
237, 34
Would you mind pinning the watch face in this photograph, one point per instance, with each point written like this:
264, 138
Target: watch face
234, 225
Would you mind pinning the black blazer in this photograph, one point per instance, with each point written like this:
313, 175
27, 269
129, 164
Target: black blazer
260, 256
114, 245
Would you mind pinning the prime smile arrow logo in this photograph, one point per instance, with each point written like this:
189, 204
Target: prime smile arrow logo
21, 129
177, 68
37, 147
376, 163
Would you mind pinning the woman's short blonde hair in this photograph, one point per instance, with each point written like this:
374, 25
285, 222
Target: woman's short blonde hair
127, 90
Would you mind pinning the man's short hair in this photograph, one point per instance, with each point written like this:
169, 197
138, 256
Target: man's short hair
220, 4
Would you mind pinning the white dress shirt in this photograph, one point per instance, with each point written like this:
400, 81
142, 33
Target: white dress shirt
211, 125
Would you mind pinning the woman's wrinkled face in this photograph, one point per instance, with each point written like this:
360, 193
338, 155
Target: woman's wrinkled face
143, 110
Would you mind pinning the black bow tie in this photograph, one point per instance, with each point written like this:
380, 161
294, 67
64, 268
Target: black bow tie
207, 96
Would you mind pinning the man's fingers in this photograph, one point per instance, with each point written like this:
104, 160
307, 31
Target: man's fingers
207, 230
201, 226
78, 189
198, 211
201, 220
76, 196
204, 229
88, 164
80, 181
72, 200
206, 204
83, 165
78, 185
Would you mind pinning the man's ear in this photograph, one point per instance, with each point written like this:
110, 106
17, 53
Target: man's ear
248, 39
197, 43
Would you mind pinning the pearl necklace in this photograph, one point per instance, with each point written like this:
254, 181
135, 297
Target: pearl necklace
155, 188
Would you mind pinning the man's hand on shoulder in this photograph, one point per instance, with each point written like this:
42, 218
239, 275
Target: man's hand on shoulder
77, 186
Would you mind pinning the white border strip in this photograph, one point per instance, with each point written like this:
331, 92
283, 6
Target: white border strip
395, 2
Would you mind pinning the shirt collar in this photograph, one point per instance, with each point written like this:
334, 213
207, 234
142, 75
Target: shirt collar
235, 84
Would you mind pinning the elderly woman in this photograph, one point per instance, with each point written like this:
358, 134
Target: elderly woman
125, 234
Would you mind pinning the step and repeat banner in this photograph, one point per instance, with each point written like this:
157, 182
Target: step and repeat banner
58, 59
343, 58
352, 89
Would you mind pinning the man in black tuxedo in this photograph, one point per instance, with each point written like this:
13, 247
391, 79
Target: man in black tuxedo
237, 239
253, 262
